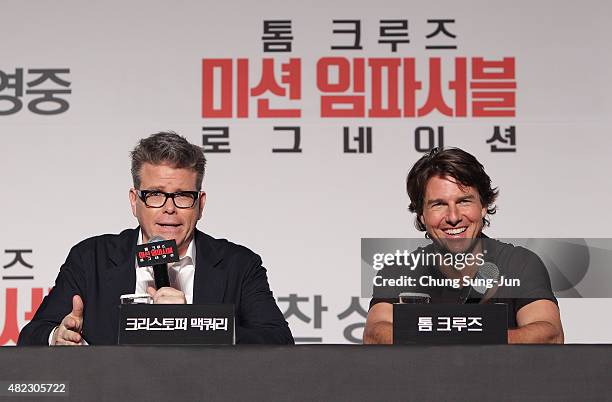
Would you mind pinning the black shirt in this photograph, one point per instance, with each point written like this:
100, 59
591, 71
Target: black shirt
513, 262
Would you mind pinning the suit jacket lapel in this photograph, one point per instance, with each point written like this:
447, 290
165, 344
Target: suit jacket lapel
123, 276
210, 278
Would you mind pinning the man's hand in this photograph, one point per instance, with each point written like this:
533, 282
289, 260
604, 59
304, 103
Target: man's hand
166, 295
69, 331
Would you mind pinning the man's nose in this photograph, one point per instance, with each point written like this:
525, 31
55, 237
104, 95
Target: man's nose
453, 216
169, 206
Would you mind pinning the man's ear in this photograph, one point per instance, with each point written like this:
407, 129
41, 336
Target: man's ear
201, 203
133, 200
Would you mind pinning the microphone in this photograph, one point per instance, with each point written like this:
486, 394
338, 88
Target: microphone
160, 271
158, 252
479, 293
487, 272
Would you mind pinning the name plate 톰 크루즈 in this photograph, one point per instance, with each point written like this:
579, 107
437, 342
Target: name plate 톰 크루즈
450, 324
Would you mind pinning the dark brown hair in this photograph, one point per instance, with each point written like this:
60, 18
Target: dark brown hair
455, 163
168, 147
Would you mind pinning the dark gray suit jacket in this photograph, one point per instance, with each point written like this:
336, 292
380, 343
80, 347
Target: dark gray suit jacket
102, 268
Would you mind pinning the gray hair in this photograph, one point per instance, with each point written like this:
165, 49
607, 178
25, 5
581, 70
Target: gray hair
168, 147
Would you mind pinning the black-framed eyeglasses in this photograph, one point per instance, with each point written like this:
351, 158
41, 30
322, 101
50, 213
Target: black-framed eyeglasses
157, 199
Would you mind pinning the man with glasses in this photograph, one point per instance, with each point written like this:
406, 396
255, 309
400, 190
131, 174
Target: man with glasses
167, 199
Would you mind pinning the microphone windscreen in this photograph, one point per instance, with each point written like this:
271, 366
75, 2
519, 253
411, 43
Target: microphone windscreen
487, 271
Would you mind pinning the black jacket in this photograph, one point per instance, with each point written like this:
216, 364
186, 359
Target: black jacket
101, 269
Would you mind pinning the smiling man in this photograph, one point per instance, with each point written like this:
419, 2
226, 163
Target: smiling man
452, 197
167, 200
